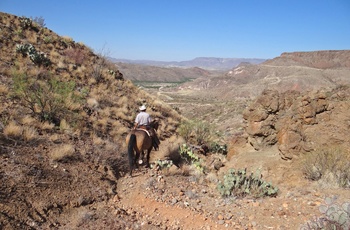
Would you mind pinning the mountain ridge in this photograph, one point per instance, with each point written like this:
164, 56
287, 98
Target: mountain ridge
208, 63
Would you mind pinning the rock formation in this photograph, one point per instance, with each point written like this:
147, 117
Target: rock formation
299, 122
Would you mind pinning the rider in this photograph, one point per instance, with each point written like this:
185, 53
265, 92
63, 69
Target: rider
143, 121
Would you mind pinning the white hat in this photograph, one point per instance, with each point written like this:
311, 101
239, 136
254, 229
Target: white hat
143, 107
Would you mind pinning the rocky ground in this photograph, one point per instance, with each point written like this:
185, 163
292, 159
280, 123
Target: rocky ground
92, 196
175, 201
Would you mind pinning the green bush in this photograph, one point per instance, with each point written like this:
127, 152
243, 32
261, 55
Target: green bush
239, 184
335, 216
326, 164
49, 100
197, 131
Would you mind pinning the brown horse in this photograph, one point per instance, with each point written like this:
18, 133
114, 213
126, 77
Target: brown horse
138, 140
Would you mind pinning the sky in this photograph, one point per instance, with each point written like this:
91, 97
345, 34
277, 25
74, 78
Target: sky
180, 30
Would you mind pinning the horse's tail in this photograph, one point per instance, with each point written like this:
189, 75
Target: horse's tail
131, 144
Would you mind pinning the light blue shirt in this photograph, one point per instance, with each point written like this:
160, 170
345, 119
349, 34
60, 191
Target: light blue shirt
143, 118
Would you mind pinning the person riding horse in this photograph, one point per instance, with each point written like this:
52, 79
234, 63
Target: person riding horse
143, 121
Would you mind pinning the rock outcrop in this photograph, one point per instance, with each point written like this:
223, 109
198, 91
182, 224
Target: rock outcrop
299, 122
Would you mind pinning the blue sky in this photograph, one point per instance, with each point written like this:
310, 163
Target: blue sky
178, 30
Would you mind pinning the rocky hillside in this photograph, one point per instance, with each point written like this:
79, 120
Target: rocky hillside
294, 71
64, 115
327, 59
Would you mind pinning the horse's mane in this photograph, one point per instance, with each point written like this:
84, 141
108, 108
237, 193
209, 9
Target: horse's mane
155, 124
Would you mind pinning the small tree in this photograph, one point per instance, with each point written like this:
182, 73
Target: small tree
48, 100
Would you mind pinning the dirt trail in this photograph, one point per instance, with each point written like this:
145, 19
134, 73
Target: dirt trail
170, 201
154, 212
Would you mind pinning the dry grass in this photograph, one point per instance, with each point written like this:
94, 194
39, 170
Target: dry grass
118, 130
62, 152
3, 89
47, 125
92, 102
96, 140
330, 166
28, 120
121, 113
30, 134
105, 113
64, 126
13, 130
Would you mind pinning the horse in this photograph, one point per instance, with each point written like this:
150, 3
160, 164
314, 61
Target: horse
139, 140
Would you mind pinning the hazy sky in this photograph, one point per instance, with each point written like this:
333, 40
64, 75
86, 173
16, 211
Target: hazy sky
178, 30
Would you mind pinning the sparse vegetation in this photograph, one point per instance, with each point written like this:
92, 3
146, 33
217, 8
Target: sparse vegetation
240, 184
329, 165
48, 100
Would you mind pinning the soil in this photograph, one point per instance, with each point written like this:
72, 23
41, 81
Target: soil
98, 193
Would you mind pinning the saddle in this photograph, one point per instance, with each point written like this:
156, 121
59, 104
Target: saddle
153, 135
143, 128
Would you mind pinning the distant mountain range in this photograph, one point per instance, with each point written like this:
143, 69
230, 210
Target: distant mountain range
209, 63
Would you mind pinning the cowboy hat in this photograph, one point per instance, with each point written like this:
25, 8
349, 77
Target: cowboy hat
143, 107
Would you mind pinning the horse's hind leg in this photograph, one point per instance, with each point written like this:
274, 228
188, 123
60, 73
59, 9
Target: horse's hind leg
137, 156
142, 156
148, 156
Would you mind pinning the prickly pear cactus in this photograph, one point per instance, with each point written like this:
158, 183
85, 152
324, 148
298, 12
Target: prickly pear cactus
335, 216
240, 184
38, 58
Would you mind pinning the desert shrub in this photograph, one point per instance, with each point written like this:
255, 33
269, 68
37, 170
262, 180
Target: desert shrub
198, 131
39, 20
185, 129
190, 157
240, 184
48, 100
38, 58
334, 216
328, 164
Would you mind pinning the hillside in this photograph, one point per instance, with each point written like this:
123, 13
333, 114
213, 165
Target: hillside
146, 73
65, 112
